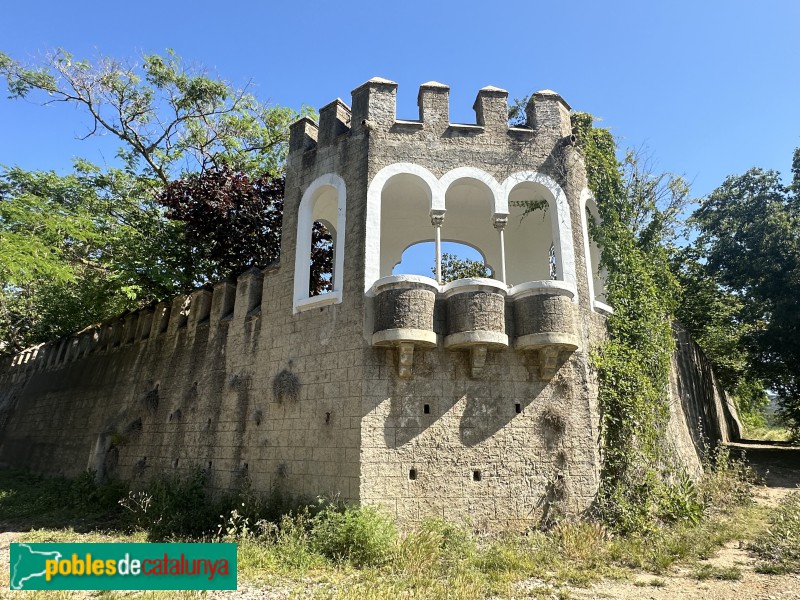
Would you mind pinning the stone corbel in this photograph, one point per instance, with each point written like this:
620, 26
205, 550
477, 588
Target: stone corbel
405, 360
548, 362
477, 360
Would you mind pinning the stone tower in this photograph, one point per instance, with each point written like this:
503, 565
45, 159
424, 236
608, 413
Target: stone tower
476, 399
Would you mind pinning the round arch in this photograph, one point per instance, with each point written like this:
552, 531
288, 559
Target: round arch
325, 200
372, 242
595, 276
561, 222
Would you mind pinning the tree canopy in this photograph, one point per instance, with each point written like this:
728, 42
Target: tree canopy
197, 197
171, 119
748, 248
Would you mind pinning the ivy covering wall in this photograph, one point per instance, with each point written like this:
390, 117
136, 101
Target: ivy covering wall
640, 485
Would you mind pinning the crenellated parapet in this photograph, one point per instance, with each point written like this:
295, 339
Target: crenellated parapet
374, 109
207, 311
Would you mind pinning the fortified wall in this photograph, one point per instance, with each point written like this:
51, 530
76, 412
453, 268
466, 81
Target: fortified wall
467, 400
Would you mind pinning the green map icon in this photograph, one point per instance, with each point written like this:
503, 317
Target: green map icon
27, 564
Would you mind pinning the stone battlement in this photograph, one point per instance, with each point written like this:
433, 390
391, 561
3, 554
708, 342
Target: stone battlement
374, 109
206, 311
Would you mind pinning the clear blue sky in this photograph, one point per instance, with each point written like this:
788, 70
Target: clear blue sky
711, 88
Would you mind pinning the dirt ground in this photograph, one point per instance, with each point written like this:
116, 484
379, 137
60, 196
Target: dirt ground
779, 467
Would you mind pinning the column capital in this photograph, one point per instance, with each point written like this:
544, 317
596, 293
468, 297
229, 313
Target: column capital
500, 222
437, 217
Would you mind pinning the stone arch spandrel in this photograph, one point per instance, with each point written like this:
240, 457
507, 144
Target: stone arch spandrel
499, 203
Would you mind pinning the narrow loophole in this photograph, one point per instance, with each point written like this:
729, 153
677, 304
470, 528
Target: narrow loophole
476, 476
412, 474
426, 408
518, 407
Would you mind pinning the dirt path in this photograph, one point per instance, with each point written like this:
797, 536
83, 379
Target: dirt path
779, 466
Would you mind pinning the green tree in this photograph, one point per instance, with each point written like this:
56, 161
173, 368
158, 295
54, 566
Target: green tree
106, 244
710, 313
455, 267
749, 235
171, 119
78, 249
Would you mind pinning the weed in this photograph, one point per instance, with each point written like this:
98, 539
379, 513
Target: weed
779, 547
173, 506
706, 571
726, 482
361, 535
286, 386
679, 500
553, 419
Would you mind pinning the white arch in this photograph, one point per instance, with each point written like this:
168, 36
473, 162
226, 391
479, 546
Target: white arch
305, 222
499, 199
372, 242
562, 224
587, 201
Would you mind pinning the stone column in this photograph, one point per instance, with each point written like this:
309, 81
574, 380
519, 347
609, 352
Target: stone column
437, 218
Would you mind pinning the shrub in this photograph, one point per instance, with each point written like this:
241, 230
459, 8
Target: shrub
680, 500
433, 545
173, 506
361, 535
726, 481
86, 494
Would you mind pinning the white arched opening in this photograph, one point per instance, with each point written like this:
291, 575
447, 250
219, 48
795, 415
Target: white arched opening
530, 236
407, 204
405, 218
324, 201
595, 274
470, 203
400, 200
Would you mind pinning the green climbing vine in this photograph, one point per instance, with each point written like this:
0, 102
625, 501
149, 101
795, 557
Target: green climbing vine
638, 486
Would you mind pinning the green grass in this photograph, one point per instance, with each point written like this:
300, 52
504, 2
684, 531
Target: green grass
334, 551
706, 571
767, 433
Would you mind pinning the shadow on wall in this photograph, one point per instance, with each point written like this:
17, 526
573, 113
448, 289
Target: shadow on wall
417, 404
711, 416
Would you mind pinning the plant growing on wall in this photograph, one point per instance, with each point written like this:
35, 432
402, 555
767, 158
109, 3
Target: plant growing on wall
633, 364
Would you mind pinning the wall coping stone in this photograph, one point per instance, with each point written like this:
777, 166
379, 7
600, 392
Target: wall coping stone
546, 286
